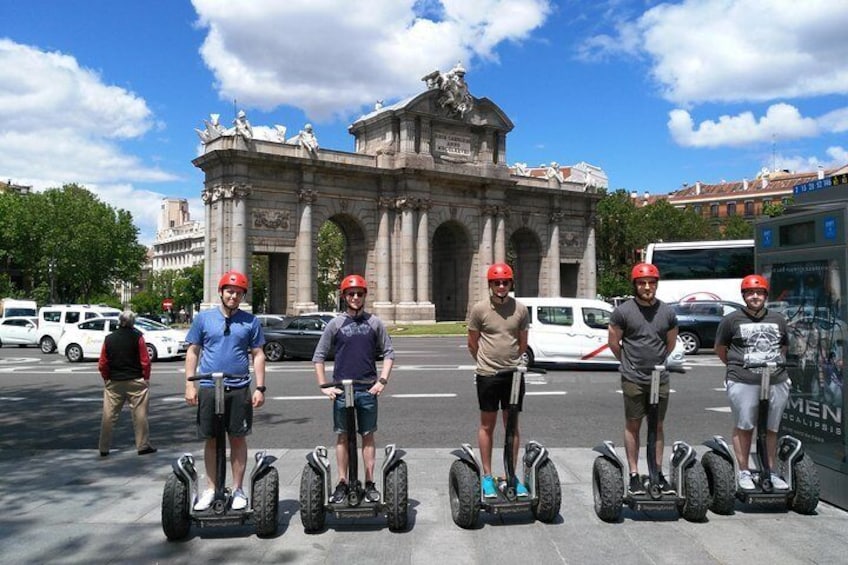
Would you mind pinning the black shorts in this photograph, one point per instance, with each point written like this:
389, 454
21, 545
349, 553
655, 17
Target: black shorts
493, 392
238, 412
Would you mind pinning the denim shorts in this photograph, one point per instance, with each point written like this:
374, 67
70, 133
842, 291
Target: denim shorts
745, 399
365, 405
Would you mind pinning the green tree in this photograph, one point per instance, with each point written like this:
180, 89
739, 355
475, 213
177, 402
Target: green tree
259, 277
71, 245
331, 249
774, 209
616, 242
188, 288
736, 227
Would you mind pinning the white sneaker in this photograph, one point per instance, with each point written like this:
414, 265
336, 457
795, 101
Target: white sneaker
239, 500
746, 481
777, 483
205, 500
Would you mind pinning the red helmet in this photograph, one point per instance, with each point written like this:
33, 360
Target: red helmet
644, 270
499, 272
233, 278
353, 281
754, 281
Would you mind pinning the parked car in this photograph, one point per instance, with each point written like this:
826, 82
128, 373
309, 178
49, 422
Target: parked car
18, 330
573, 331
297, 338
54, 319
271, 321
698, 320
84, 340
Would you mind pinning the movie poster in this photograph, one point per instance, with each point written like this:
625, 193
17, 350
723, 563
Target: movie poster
809, 295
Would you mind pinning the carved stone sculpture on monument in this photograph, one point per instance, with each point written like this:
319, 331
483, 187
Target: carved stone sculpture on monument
455, 96
306, 139
242, 126
213, 130
553, 172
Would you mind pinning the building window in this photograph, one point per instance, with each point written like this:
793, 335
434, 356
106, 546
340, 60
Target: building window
697, 208
786, 200
731, 208
749, 208
714, 210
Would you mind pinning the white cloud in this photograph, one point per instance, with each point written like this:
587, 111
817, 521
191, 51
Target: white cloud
61, 123
836, 157
332, 57
738, 50
781, 121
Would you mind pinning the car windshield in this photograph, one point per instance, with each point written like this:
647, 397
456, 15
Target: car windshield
150, 325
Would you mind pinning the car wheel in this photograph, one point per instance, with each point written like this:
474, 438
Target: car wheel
74, 353
274, 351
527, 358
691, 343
47, 344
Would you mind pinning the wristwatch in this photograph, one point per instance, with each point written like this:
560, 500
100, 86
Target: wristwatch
383, 381
261, 389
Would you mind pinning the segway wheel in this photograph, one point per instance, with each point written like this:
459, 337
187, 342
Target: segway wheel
265, 501
548, 493
464, 492
396, 498
696, 486
608, 489
312, 497
721, 483
175, 509
807, 486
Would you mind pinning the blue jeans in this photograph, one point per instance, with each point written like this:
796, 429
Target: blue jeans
365, 405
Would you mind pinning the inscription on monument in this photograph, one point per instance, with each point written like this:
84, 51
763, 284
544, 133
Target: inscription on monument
452, 145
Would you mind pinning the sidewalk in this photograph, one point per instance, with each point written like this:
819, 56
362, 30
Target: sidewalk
75, 507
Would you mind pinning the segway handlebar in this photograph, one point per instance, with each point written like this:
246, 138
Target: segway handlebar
340, 384
520, 369
670, 368
217, 376
770, 364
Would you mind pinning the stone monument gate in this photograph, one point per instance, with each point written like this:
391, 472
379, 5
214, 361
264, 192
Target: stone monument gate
426, 203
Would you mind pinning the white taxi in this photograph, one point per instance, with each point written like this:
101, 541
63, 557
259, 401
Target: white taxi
84, 340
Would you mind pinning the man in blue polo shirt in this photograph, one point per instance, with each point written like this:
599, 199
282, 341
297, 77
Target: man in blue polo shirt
223, 339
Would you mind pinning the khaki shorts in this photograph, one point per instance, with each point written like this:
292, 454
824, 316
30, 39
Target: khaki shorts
636, 397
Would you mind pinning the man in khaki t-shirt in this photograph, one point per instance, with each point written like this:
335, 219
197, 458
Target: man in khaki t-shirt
497, 338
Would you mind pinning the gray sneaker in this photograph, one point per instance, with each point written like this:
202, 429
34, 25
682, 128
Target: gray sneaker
746, 481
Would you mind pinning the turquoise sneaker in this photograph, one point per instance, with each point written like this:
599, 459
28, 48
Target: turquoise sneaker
520, 489
489, 490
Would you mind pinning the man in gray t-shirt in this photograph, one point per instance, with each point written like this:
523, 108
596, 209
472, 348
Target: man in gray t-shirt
642, 333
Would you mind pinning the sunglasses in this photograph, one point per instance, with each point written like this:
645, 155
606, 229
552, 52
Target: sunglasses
755, 291
501, 283
227, 323
356, 293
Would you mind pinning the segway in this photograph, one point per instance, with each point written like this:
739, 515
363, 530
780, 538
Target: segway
178, 512
540, 474
688, 480
797, 468
316, 479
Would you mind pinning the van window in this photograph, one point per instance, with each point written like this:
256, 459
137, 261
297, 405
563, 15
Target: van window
555, 315
596, 318
52, 316
72, 317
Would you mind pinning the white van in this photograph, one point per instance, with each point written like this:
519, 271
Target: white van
568, 330
53, 319
15, 307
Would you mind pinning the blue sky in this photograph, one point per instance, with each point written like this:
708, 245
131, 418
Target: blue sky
107, 93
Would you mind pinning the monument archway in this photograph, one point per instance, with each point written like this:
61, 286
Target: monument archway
426, 202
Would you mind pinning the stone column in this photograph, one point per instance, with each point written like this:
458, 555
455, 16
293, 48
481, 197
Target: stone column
407, 251
206, 196
422, 254
239, 259
305, 272
589, 269
554, 220
383, 253
500, 234
485, 248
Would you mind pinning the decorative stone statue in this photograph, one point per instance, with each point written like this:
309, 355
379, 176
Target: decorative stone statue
521, 169
553, 172
306, 139
455, 96
242, 126
213, 130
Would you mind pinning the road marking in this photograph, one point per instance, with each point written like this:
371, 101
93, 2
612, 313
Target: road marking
81, 399
433, 395
546, 393
12, 398
724, 409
